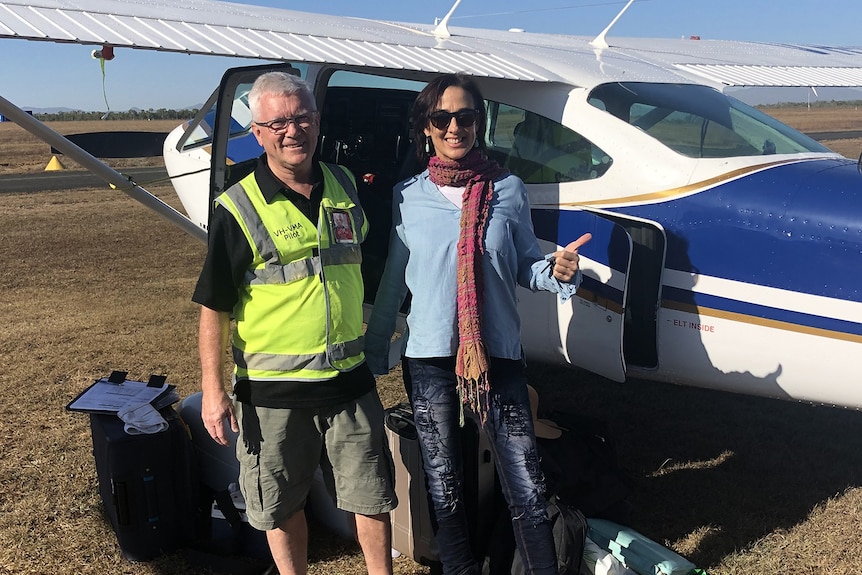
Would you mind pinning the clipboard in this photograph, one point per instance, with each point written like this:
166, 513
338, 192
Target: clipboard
110, 394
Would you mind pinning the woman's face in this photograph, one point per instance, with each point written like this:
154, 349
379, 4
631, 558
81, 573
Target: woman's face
453, 136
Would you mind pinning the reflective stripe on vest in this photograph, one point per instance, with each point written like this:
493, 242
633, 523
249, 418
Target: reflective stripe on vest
301, 269
311, 361
269, 271
274, 272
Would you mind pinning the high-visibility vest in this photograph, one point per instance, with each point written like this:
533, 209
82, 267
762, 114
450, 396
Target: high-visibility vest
299, 313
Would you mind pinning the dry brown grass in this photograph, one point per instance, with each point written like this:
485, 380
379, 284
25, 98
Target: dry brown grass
23, 153
826, 119
849, 147
94, 282
820, 119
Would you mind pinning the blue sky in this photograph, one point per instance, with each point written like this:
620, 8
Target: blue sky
45, 75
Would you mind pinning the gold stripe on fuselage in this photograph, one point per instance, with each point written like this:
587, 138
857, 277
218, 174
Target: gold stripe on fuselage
688, 189
761, 321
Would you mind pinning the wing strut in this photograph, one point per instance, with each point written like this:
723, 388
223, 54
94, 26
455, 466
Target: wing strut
442, 29
99, 168
599, 41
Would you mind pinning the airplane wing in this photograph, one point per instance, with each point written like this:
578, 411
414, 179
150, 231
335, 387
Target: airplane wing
243, 31
746, 64
224, 29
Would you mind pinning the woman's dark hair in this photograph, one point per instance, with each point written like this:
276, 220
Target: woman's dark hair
426, 102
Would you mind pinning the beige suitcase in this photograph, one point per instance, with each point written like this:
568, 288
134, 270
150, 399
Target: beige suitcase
411, 520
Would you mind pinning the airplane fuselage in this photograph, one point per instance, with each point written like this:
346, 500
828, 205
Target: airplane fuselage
722, 257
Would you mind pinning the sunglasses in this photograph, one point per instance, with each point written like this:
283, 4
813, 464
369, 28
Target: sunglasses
464, 118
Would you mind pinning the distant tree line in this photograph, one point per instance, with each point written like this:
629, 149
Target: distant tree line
151, 114
818, 104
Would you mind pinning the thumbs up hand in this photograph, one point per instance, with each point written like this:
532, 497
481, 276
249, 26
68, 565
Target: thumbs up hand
566, 260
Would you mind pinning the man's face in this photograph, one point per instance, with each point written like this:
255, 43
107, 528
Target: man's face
293, 146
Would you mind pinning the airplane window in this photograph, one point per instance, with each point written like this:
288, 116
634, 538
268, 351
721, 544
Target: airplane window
240, 114
700, 122
540, 150
690, 134
242, 147
201, 133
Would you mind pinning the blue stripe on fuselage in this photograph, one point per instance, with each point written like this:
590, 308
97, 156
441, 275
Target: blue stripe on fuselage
687, 301
794, 226
609, 245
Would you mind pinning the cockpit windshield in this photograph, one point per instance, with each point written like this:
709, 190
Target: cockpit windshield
700, 122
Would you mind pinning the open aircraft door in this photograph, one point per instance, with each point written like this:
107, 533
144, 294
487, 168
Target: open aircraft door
588, 329
234, 149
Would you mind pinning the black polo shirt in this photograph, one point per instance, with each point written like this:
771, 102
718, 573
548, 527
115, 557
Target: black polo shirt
228, 258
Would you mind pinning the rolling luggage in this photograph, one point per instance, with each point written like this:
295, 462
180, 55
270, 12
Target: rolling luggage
147, 484
411, 520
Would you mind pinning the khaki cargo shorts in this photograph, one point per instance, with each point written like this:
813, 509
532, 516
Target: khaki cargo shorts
279, 451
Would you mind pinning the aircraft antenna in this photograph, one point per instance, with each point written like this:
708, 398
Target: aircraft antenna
442, 29
599, 41
811, 89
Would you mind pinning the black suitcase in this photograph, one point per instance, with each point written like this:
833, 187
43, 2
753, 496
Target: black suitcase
411, 520
148, 485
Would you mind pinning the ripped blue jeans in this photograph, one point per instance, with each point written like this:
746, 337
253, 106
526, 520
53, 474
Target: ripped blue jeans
431, 385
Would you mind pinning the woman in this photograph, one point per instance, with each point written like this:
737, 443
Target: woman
462, 241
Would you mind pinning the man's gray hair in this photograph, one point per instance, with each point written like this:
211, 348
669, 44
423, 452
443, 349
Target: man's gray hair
279, 83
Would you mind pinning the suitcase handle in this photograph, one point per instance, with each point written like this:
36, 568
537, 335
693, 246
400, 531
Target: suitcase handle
151, 498
121, 502
120, 494
400, 421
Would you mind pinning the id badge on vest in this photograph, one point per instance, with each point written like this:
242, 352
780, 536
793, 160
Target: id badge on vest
341, 226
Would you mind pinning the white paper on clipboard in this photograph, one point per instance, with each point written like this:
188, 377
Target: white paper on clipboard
107, 397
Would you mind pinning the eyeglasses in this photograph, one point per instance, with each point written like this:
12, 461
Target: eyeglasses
279, 125
464, 118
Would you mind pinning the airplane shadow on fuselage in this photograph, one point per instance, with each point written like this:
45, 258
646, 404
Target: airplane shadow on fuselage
710, 471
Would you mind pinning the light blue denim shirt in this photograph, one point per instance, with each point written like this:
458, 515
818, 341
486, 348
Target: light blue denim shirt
423, 258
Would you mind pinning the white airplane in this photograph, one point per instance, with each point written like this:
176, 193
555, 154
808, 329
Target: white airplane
726, 246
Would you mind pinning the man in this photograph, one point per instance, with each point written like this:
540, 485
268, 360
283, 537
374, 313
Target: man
303, 394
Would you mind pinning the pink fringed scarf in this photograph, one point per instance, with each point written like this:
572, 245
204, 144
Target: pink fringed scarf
477, 174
